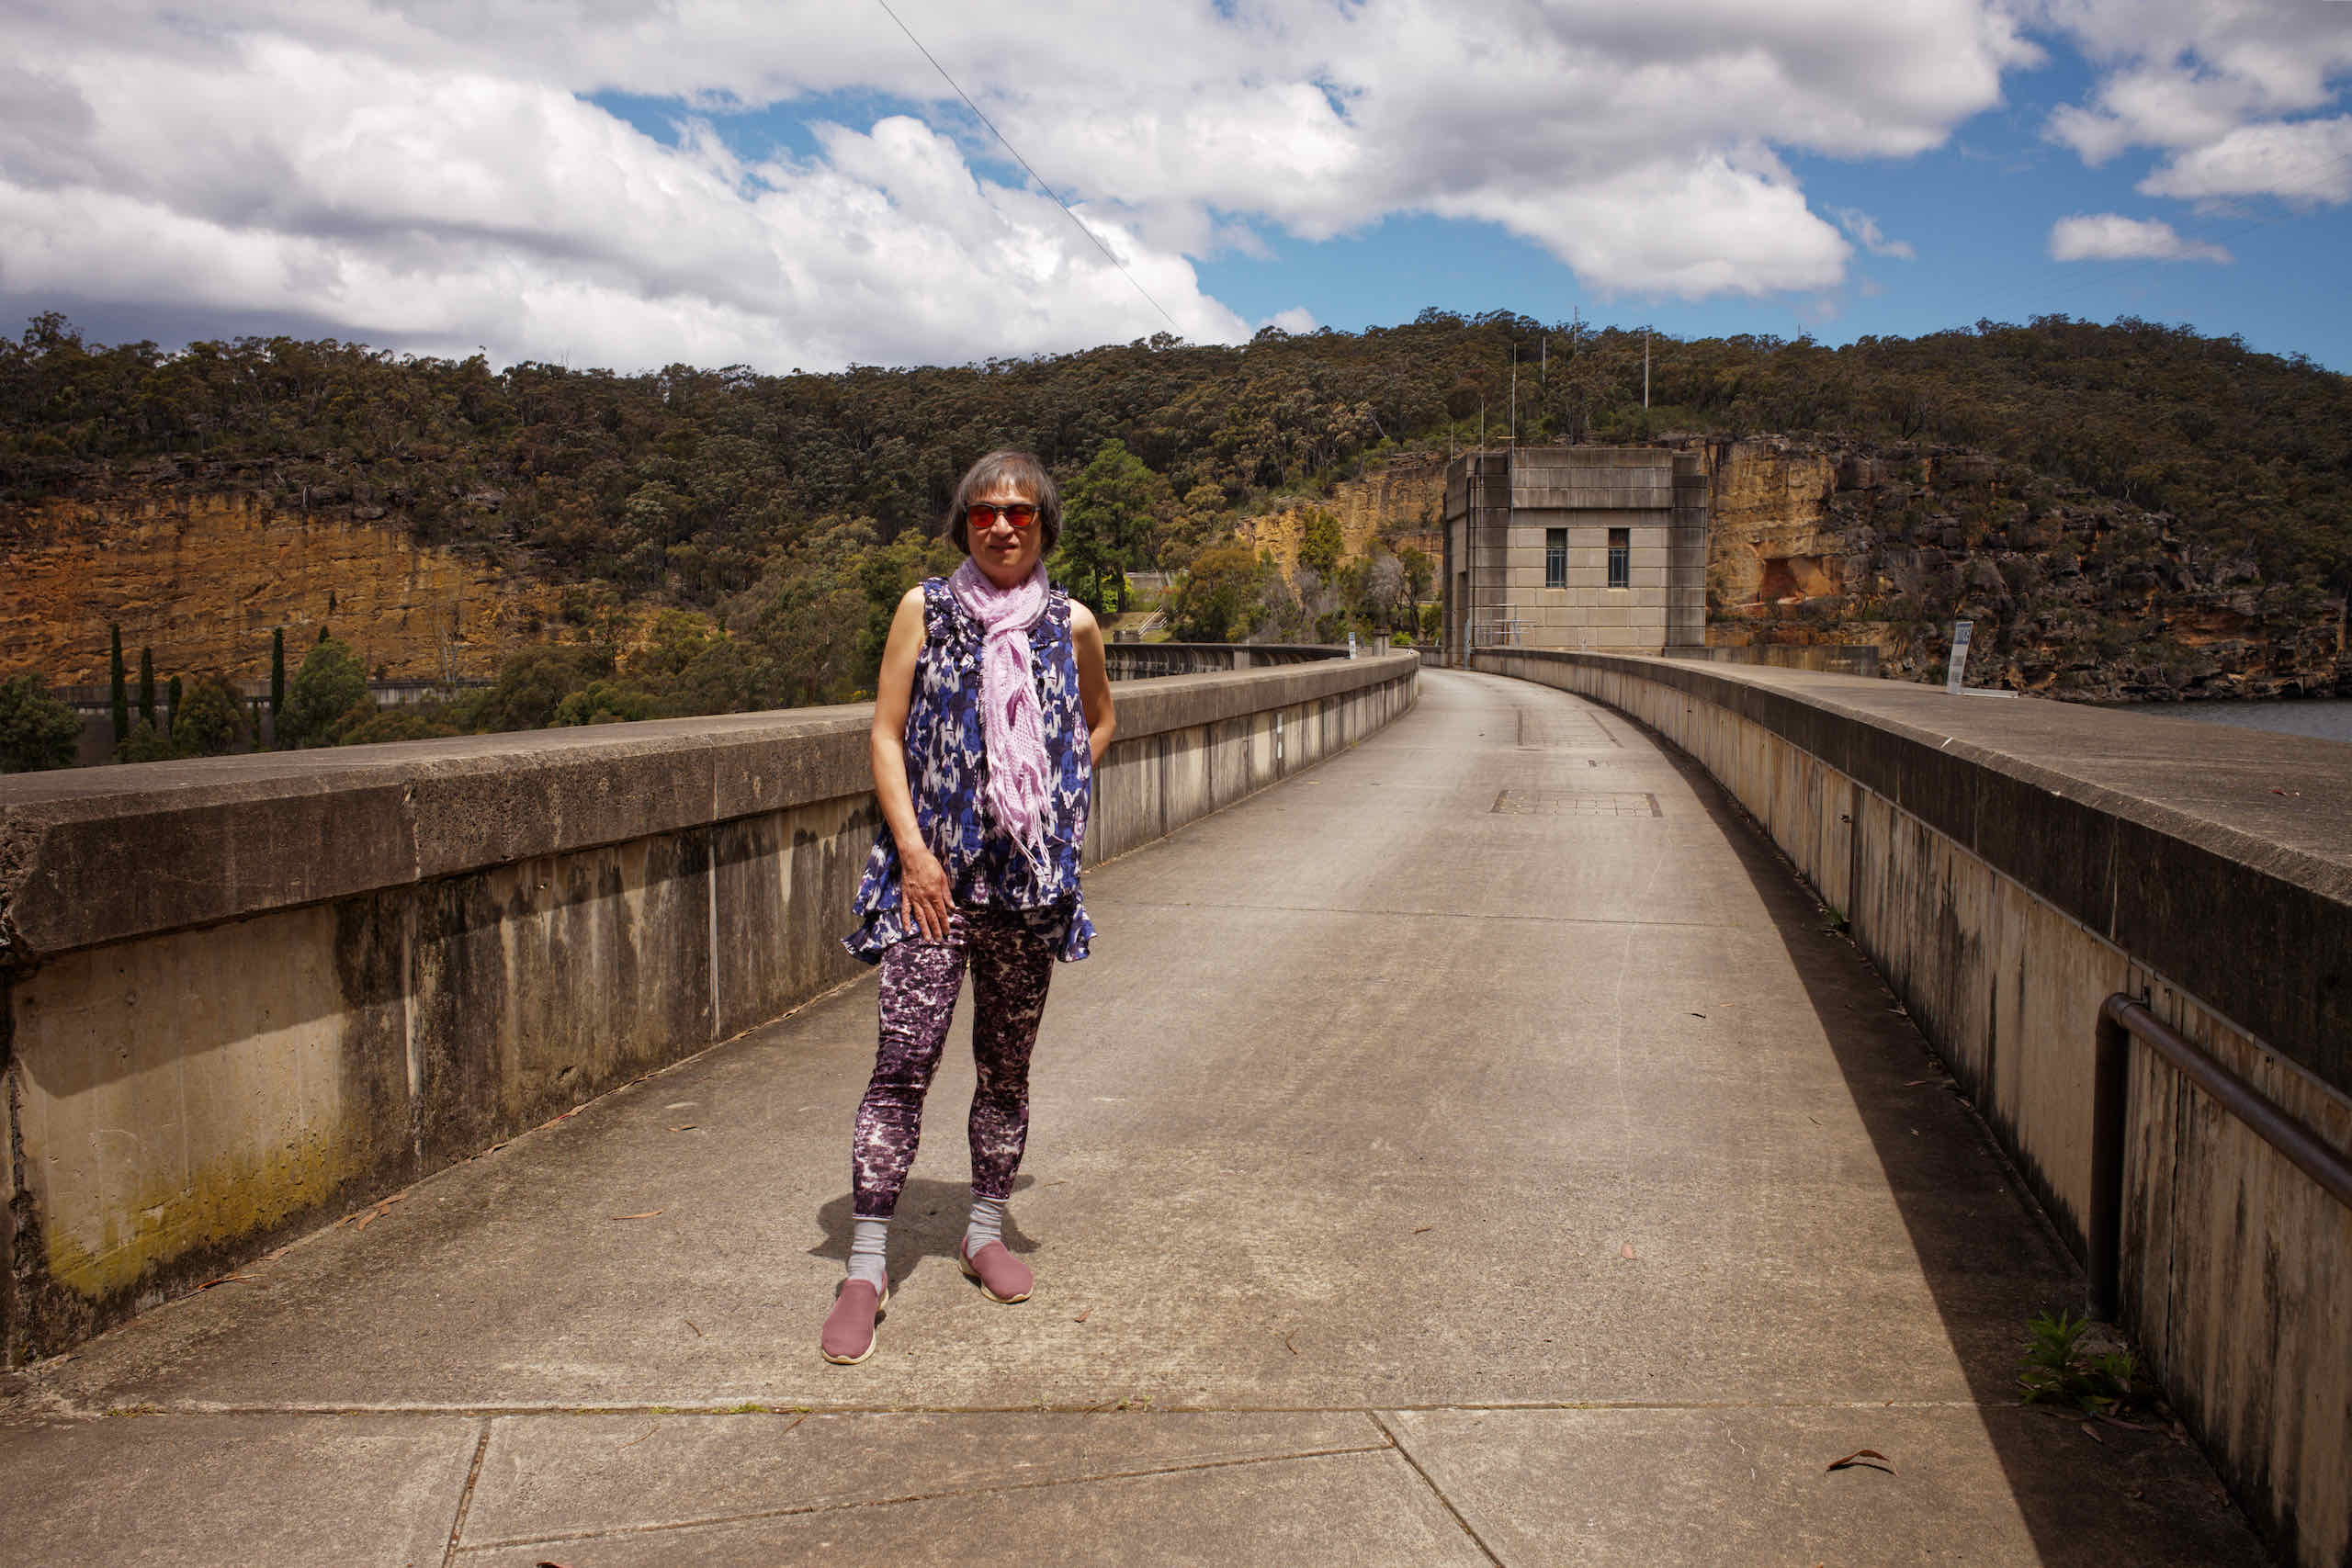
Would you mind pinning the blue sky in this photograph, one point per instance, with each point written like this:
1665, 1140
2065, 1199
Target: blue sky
795, 185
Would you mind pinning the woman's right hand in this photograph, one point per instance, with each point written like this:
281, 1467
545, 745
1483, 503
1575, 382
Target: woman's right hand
922, 892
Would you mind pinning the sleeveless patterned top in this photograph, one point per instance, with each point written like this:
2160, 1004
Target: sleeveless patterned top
947, 772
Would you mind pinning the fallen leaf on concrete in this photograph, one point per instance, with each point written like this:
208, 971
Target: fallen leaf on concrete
681, 1105
640, 1438
2092, 1433
1287, 1345
1626, 1250
690, 1324
686, 1127
222, 1280
1697, 1015
1418, 1229
647, 1215
1081, 1317
1868, 1459
1814, 1120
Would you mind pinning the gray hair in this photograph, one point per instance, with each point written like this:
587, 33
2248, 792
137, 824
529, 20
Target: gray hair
1021, 471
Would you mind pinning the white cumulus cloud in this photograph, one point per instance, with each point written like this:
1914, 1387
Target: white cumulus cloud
2110, 236
2232, 95
435, 173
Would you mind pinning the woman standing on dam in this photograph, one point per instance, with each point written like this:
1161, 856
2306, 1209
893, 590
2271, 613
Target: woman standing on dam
992, 708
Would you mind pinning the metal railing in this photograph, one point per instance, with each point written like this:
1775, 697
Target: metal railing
2121, 1020
1499, 632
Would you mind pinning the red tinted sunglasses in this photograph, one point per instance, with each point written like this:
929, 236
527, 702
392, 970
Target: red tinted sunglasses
982, 515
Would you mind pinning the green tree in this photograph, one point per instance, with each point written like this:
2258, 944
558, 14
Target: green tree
323, 695
147, 687
1320, 543
171, 704
404, 721
810, 619
213, 721
36, 732
1110, 515
147, 744
1217, 600
607, 701
1419, 572
118, 688
532, 685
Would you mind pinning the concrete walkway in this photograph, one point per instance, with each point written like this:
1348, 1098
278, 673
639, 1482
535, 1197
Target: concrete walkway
1474, 1150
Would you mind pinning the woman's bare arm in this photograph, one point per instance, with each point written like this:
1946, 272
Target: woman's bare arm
922, 880
1093, 681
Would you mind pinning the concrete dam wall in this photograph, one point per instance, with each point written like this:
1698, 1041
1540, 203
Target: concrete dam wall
2009, 866
245, 995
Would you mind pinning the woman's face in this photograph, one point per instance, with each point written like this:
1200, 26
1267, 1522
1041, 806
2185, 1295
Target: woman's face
1005, 554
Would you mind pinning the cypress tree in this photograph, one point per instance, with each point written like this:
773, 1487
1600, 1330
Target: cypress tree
147, 686
276, 674
171, 701
121, 690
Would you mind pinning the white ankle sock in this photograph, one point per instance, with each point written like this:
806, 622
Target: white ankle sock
986, 1225
868, 1245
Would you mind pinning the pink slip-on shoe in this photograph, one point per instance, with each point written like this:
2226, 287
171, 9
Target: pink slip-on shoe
1002, 1277
848, 1336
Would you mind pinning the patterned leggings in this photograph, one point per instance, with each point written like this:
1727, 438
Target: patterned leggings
1011, 967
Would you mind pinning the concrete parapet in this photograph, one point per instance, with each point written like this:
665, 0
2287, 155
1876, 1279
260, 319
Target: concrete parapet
245, 994
2010, 864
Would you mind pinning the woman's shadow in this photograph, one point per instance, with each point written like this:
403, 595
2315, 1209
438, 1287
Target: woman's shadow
929, 1224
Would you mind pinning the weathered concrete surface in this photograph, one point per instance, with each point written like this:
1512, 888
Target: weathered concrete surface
242, 996
1431, 1183
2010, 864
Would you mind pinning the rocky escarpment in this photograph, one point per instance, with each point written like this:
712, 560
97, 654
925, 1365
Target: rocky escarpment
203, 566
2073, 595
1400, 505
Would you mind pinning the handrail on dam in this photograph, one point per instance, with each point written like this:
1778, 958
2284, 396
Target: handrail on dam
2121, 1020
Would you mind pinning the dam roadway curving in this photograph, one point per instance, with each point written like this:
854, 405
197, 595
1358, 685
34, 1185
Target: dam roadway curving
1477, 1148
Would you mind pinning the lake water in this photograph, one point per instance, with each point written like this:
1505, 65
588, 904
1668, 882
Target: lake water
2322, 718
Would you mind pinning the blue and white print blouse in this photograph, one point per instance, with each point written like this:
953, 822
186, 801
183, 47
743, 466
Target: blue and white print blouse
947, 772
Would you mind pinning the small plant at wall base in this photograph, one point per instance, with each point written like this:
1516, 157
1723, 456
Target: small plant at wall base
2061, 1368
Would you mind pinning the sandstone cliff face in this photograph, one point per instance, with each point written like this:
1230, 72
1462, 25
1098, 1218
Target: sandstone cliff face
2073, 595
1404, 505
203, 580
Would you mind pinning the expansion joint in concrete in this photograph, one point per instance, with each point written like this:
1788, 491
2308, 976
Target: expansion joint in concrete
899, 1500
466, 1497
1436, 1490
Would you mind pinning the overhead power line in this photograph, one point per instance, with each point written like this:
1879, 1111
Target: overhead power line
1033, 173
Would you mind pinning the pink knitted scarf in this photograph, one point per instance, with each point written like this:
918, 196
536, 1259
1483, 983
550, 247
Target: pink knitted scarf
1009, 717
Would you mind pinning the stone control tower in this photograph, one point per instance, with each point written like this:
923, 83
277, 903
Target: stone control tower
1575, 547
